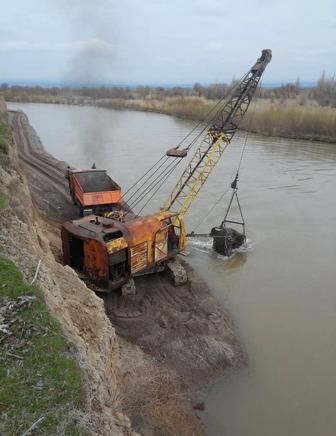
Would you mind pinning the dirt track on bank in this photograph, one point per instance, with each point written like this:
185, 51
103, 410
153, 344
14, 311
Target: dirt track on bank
183, 328
46, 175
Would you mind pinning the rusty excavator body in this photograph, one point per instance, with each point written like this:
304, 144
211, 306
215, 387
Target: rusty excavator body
110, 250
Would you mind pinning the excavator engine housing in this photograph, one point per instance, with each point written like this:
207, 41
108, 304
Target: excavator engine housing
109, 252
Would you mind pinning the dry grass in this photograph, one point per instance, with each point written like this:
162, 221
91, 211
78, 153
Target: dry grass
155, 397
193, 108
307, 122
286, 119
187, 107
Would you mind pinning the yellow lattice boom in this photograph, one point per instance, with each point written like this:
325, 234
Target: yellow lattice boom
198, 170
224, 125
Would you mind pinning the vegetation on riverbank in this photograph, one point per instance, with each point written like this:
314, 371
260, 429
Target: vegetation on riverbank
314, 123
289, 120
288, 111
39, 379
3, 137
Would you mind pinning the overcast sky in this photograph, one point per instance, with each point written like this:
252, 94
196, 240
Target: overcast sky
165, 41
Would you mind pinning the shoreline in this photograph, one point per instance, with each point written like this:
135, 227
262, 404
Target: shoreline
193, 109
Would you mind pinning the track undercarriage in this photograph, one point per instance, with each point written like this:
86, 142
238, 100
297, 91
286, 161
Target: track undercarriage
175, 269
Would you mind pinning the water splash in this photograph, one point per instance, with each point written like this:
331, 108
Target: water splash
204, 245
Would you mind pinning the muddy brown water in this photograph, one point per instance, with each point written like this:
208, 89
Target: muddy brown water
280, 288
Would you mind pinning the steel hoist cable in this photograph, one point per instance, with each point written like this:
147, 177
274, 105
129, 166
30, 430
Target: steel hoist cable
164, 175
222, 121
159, 187
167, 171
234, 171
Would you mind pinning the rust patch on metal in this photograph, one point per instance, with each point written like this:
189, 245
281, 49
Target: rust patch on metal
95, 264
116, 245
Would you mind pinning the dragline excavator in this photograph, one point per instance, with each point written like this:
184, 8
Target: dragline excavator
111, 250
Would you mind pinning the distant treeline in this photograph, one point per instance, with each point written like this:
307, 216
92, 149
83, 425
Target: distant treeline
289, 111
324, 93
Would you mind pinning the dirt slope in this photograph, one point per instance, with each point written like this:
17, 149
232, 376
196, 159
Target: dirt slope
80, 312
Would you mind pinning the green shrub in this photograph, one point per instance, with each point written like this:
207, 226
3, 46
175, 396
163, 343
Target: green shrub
3, 137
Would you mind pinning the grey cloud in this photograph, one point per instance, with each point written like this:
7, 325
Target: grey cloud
164, 41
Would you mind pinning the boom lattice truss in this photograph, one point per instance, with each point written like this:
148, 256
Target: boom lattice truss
224, 125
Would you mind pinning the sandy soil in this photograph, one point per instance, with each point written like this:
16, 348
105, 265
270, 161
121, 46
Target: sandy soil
24, 238
182, 332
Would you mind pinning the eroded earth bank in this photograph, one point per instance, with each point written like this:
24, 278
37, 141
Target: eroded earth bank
143, 358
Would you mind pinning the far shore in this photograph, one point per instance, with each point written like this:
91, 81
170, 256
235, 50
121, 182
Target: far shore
312, 123
284, 119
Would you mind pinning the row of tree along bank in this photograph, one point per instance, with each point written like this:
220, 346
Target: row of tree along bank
287, 111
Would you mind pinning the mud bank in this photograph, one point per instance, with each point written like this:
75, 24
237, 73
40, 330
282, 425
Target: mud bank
141, 356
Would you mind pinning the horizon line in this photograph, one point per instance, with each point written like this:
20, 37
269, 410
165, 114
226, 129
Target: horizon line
71, 84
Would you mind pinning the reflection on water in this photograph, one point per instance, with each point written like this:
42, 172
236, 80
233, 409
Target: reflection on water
280, 291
